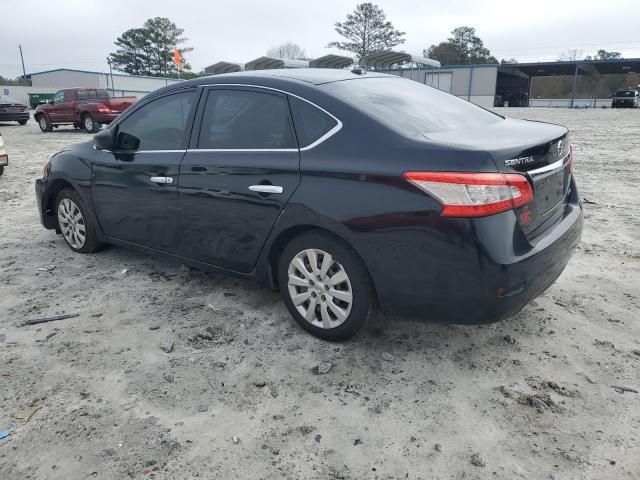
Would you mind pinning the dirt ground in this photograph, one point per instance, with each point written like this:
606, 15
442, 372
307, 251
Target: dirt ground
530, 397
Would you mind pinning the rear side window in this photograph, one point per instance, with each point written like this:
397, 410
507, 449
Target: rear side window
243, 119
158, 125
311, 122
409, 107
83, 94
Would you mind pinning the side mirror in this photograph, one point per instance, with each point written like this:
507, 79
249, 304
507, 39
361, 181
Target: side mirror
126, 141
104, 140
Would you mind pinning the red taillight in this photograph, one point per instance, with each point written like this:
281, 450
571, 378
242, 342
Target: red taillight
101, 107
473, 194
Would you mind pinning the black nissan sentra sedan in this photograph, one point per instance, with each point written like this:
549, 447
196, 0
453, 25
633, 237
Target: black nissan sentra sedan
345, 190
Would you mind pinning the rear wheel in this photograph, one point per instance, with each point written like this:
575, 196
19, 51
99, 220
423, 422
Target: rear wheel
89, 124
76, 225
45, 124
1, 170
22, 122
325, 286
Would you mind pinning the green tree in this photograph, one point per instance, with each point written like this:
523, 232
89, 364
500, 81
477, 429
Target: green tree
149, 50
462, 48
367, 31
604, 55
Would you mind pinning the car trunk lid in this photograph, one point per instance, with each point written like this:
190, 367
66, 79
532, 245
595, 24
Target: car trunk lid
540, 151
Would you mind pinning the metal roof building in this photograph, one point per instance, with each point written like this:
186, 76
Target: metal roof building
120, 84
223, 67
267, 63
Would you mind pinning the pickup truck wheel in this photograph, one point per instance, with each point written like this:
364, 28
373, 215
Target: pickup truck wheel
22, 122
1, 170
89, 124
76, 224
45, 124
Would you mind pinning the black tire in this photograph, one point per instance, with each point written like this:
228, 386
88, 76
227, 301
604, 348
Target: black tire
1, 170
361, 289
22, 122
91, 243
89, 124
44, 124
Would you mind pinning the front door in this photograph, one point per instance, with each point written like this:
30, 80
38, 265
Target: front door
134, 188
67, 110
241, 169
55, 110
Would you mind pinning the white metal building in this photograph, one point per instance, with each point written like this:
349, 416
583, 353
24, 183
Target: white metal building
118, 83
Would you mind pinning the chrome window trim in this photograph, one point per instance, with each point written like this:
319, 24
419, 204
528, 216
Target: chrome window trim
552, 166
326, 136
194, 150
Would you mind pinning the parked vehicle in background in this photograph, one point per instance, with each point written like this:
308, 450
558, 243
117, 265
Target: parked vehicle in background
346, 190
11, 110
626, 99
86, 108
4, 157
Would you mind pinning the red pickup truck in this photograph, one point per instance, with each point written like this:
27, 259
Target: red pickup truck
85, 108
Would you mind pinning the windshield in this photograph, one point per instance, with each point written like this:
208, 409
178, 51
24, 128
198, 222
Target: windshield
6, 99
410, 107
625, 93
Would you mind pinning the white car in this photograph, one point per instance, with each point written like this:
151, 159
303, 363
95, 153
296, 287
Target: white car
4, 158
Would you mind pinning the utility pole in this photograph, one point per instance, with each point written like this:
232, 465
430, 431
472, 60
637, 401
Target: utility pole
24, 72
113, 90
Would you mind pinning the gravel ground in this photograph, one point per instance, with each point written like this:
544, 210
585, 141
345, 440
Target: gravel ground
530, 397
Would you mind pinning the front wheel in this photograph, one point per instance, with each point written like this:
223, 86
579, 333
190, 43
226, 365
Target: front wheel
89, 124
325, 286
45, 124
22, 122
76, 225
1, 170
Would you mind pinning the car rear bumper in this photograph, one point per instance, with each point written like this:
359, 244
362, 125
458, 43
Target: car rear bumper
477, 270
13, 116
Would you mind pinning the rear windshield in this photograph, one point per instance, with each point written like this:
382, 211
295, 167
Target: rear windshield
5, 99
625, 93
410, 107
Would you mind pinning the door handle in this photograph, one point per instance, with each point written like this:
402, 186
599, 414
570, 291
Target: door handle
266, 188
166, 180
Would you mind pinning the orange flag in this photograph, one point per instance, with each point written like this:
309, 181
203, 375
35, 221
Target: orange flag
177, 59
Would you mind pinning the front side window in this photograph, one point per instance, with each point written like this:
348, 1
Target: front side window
158, 125
69, 95
58, 97
311, 122
242, 119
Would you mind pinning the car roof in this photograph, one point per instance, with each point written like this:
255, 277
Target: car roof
315, 76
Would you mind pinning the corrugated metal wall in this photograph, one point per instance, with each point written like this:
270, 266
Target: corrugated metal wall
21, 93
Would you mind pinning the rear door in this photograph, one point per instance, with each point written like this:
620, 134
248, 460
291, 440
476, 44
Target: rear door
134, 188
239, 172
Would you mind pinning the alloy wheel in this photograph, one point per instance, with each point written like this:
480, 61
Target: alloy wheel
319, 288
88, 123
72, 223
